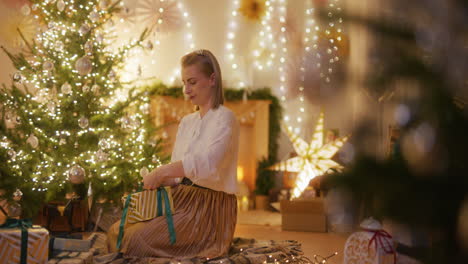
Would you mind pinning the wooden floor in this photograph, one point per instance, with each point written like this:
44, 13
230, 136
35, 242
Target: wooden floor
323, 244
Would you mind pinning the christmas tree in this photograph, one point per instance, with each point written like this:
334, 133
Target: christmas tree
63, 124
422, 184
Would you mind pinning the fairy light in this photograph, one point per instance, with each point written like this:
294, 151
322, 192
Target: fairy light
282, 54
266, 44
333, 35
230, 46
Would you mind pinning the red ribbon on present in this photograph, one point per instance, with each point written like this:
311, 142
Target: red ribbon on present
381, 239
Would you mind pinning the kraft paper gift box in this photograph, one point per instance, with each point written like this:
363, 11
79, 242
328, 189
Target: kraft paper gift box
37, 249
303, 215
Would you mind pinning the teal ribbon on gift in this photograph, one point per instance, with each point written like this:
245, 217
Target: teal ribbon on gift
161, 191
24, 224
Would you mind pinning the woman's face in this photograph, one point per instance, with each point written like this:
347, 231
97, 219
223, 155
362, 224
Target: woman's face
197, 87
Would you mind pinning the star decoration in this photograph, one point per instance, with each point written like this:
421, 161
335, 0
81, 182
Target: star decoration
313, 159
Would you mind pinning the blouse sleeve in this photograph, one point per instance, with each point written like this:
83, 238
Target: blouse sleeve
175, 150
205, 164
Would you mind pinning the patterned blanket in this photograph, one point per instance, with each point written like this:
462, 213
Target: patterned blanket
242, 251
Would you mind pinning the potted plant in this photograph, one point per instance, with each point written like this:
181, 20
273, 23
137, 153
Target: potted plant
264, 183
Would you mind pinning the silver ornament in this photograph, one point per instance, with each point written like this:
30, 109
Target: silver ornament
95, 89
76, 174
59, 45
48, 66
136, 123
17, 195
85, 88
17, 77
104, 144
144, 171
83, 65
33, 141
62, 141
88, 46
12, 154
83, 122
60, 5
112, 76
84, 29
94, 16
103, 4
66, 88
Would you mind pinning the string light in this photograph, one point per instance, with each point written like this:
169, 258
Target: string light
230, 49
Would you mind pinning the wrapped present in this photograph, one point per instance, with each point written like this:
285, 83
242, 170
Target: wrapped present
146, 205
20, 242
98, 243
370, 245
71, 257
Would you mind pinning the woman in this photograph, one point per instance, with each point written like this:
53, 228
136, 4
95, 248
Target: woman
202, 174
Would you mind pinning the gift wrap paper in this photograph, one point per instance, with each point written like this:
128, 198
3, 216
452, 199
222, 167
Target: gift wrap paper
10, 245
143, 205
359, 250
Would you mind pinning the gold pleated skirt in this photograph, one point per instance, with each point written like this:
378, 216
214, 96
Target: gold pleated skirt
204, 222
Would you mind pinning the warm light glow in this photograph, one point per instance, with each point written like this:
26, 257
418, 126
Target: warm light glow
313, 159
240, 173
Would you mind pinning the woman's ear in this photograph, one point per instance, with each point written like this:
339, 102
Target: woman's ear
213, 79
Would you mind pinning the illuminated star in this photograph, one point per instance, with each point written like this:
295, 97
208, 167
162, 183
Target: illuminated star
313, 159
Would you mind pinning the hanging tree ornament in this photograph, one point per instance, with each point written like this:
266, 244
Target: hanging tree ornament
83, 65
95, 89
48, 66
83, 122
33, 141
88, 47
62, 141
66, 88
144, 171
84, 29
112, 76
85, 88
17, 77
60, 5
17, 195
103, 4
94, 16
77, 174
11, 154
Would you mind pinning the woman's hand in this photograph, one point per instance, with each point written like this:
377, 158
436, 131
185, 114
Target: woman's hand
153, 179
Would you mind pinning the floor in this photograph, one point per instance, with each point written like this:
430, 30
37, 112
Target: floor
267, 225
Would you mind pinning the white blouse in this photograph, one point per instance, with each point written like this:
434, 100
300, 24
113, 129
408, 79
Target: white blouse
208, 147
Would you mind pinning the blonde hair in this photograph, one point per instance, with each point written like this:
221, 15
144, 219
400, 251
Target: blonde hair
208, 64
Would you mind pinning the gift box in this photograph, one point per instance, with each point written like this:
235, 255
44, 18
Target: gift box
371, 245
148, 204
37, 249
70, 257
303, 215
